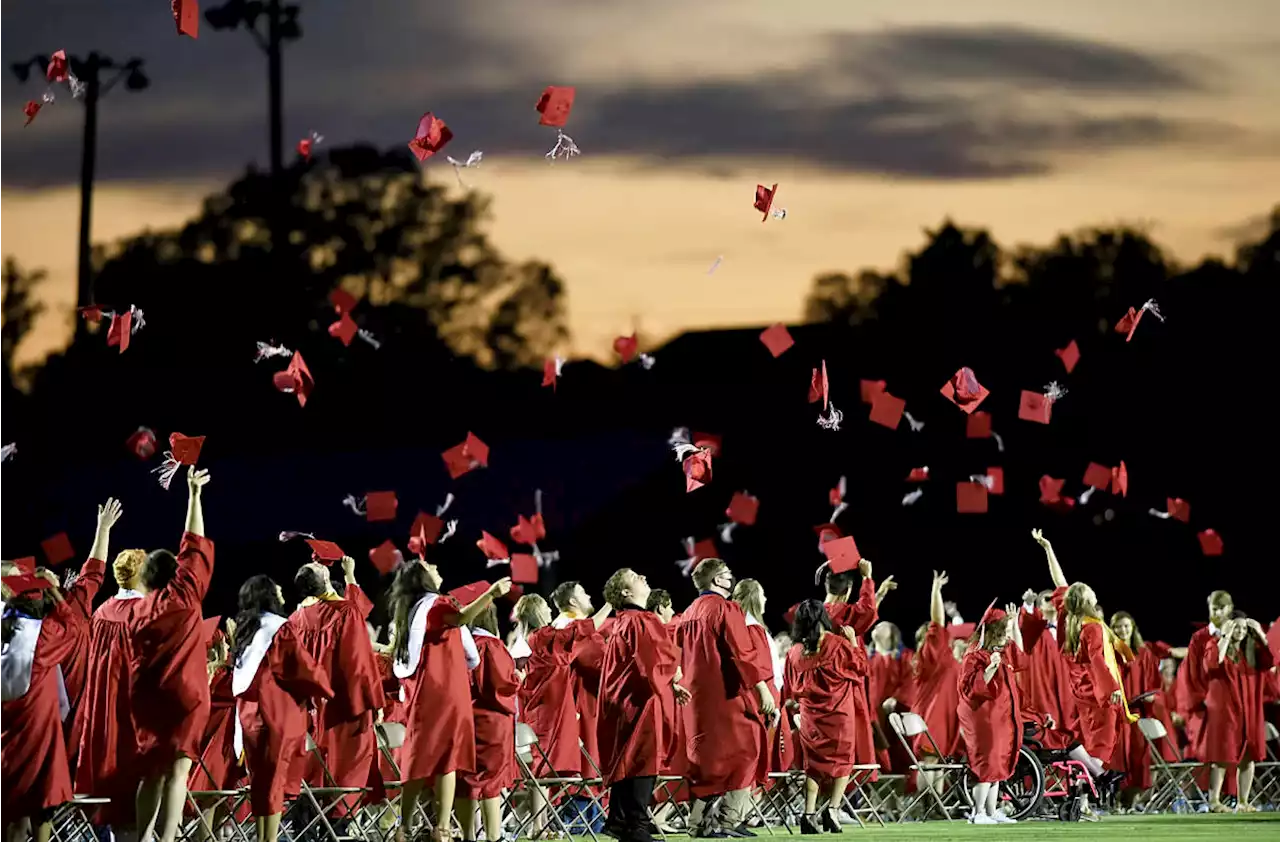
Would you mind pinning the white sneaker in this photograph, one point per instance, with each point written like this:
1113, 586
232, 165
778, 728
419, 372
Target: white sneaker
1001, 818
982, 818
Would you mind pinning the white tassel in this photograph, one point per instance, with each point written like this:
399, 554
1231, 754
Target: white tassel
1054, 392
355, 504
999, 441
839, 510
683, 450
537, 500
137, 323
916, 426
8, 452
831, 420
1086, 494
444, 507
779, 213
564, 148
686, 566
547, 558
911, 498
496, 562
267, 350
368, 338
726, 532
716, 265
450, 528
983, 479
473, 160
1154, 309
168, 468
1159, 514
680, 435
286, 535
817, 574
646, 361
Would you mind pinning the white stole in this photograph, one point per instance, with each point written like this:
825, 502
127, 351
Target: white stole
18, 659
418, 634
246, 668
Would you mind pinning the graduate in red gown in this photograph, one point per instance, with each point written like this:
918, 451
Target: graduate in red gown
1094, 657
169, 687
1193, 672
889, 688
675, 764
218, 767
104, 740
821, 679
779, 754
936, 672
732, 705
1142, 681
639, 691
333, 630
494, 683
274, 680
546, 697
859, 615
1234, 731
990, 710
1046, 682
39, 627
434, 654
574, 604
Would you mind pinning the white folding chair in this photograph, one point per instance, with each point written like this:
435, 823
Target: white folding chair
71, 820
554, 788
314, 805
950, 774
1169, 781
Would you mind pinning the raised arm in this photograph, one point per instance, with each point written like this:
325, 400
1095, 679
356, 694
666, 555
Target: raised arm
196, 481
600, 616
937, 611
468, 614
883, 591
108, 514
1015, 628
1055, 569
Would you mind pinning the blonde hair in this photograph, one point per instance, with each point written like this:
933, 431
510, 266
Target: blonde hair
532, 611
750, 595
1135, 641
707, 571
1220, 599
127, 566
1074, 605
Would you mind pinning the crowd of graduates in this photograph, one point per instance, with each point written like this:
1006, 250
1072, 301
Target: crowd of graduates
144, 699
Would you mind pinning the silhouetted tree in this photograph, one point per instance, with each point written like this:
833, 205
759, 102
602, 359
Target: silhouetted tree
19, 312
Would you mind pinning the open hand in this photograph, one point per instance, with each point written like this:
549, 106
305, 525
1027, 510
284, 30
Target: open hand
108, 513
1117, 697
196, 480
502, 587
49, 576
1029, 597
888, 585
940, 579
1039, 537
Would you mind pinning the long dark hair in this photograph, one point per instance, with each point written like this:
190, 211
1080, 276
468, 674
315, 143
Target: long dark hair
258, 595
811, 621
29, 604
411, 584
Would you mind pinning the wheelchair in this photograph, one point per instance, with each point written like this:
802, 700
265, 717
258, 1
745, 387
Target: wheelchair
1046, 782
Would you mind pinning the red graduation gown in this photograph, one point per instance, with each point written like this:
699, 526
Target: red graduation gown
169, 688
990, 715
219, 768
440, 734
937, 693
637, 706
546, 698
1191, 684
105, 742
889, 677
1092, 684
334, 634
825, 684
780, 752
34, 764
273, 714
584, 661
493, 708
1234, 731
676, 762
861, 616
1142, 675
393, 710
1046, 682
724, 730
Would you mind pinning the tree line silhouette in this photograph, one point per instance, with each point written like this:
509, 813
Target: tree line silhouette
462, 332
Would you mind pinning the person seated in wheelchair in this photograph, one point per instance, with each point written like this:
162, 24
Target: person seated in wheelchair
1067, 779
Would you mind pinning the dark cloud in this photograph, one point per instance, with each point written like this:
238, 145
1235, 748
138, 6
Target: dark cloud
941, 103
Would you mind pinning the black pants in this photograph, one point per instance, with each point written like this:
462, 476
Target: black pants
629, 804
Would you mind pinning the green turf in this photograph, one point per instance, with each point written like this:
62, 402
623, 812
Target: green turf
1178, 828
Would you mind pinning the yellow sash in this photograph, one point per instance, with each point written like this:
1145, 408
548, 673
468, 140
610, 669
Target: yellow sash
324, 597
1109, 655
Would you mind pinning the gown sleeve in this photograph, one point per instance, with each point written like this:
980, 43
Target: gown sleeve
195, 570
737, 639
865, 612
356, 596
1032, 624
974, 689
1091, 651
59, 634
294, 668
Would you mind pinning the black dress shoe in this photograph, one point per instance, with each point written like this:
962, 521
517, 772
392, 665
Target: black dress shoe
807, 826
829, 823
741, 832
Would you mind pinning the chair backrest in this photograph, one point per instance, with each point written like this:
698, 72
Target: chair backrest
311, 744
1272, 732
1152, 729
392, 734
908, 724
526, 739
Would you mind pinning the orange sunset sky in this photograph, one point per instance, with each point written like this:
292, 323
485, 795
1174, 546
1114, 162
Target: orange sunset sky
876, 118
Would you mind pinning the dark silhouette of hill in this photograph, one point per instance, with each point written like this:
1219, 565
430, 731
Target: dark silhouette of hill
464, 333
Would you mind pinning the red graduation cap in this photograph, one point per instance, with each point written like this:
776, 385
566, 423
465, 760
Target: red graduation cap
961, 631
385, 557
743, 508
304, 148
344, 329
790, 615
476, 449
1034, 406
524, 569
886, 410
57, 69
57, 549
777, 339
380, 506
918, 475
426, 528
1178, 508
870, 389
468, 594
211, 631
528, 530
1097, 476
295, 379
1069, 355
342, 301
827, 532
550, 371
697, 470
554, 105
492, 547
1129, 323
626, 347
92, 313
819, 388
325, 552
842, 553
971, 498
27, 564
709, 441
706, 548
120, 330
432, 136
186, 16
26, 582
142, 443
1051, 489
1210, 543
995, 478
185, 449
31, 109
764, 199
1120, 480
466, 457
978, 426
835, 496
964, 390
